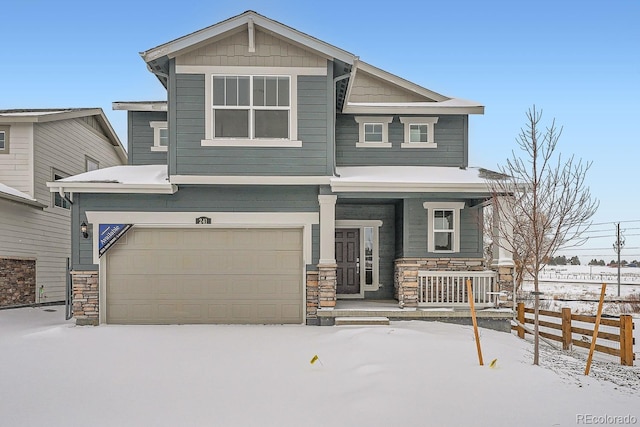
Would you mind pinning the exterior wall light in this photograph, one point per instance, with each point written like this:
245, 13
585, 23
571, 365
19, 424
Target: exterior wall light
83, 230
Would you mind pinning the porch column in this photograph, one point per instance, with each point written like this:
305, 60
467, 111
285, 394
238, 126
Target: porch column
327, 264
502, 231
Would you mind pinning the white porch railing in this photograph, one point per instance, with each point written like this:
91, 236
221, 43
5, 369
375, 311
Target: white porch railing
449, 288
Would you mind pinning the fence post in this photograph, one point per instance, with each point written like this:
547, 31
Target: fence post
566, 328
521, 319
626, 340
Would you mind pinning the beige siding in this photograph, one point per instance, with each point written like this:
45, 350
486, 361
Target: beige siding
367, 88
61, 145
16, 168
270, 51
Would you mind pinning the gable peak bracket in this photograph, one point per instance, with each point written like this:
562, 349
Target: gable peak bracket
252, 32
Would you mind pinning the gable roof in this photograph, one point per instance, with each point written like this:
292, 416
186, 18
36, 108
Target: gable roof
14, 195
43, 115
417, 99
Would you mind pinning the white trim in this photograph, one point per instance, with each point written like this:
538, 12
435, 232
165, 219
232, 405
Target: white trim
361, 225
248, 70
157, 127
327, 228
415, 108
365, 120
110, 187
251, 31
255, 143
140, 106
250, 179
407, 187
429, 121
218, 220
456, 207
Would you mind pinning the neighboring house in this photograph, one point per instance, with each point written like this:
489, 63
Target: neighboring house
37, 146
281, 175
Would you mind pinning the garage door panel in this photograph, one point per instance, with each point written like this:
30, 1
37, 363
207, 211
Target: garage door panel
206, 276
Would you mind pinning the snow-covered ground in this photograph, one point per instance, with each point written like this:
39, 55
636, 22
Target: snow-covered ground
53, 373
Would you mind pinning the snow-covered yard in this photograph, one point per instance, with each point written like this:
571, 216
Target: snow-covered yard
409, 373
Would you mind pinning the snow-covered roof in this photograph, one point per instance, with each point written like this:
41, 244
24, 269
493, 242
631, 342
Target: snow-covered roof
410, 179
118, 179
10, 193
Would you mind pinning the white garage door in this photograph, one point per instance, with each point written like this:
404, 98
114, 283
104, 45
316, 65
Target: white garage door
167, 276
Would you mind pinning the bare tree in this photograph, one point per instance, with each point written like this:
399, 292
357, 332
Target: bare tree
543, 203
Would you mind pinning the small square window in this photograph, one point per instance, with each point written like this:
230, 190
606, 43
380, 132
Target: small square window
418, 133
373, 132
90, 164
160, 136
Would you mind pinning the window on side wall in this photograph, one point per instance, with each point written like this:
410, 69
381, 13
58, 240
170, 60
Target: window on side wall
443, 226
419, 132
4, 139
58, 200
90, 164
160, 136
373, 132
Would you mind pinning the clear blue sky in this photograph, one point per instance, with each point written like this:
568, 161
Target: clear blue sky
577, 60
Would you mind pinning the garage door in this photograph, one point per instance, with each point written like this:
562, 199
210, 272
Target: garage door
166, 276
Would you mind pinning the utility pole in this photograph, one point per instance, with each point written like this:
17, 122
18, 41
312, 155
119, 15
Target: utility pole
617, 246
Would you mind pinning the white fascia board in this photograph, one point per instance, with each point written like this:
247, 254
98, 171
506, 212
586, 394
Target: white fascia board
140, 106
174, 48
22, 200
411, 109
249, 180
382, 187
110, 187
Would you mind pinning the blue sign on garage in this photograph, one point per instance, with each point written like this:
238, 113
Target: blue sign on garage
109, 234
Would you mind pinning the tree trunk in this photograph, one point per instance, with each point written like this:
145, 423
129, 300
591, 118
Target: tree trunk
536, 325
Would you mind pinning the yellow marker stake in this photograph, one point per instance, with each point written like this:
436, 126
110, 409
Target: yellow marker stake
493, 363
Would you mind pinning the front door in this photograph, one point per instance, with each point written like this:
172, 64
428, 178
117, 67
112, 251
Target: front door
348, 260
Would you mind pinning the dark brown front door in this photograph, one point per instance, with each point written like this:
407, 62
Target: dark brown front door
348, 260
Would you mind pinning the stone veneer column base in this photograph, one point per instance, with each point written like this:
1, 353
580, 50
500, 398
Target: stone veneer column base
406, 274
17, 281
86, 307
505, 279
327, 286
312, 298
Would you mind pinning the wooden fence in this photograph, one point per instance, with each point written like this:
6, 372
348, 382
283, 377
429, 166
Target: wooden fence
566, 330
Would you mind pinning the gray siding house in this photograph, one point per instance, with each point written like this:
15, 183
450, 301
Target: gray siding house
38, 146
281, 177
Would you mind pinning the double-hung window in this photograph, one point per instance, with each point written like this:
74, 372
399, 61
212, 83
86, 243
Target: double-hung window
251, 107
58, 200
160, 136
443, 226
419, 132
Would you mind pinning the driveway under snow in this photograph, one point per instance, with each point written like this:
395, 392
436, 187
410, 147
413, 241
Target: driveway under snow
53, 373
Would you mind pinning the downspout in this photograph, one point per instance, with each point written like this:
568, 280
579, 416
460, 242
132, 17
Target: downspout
64, 196
335, 112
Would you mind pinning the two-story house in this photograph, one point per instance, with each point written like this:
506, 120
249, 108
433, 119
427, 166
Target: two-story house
38, 146
281, 176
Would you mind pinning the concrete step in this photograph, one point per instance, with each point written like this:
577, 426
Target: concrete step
361, 321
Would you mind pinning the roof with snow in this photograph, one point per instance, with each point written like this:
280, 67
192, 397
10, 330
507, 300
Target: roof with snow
14, 195
118, 179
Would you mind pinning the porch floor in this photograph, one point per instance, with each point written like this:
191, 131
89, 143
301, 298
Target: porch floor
493, 318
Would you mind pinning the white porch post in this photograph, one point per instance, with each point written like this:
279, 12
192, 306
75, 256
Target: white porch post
327, 263
502, 235
327, 229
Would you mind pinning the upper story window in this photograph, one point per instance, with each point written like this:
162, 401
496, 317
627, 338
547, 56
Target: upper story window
373, 131
90, 164
160, 136
4, 139
443, 225
58, 200
419, 132
252, 110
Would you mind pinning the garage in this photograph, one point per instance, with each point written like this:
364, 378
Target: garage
188, 276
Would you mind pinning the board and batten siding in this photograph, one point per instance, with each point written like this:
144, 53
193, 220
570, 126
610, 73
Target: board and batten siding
16, 167
450, 135
313, 130
414, 242
192, 199
60, 145
140, 138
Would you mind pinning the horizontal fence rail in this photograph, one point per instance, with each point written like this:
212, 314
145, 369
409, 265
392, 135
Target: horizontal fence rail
448, 288
619, 344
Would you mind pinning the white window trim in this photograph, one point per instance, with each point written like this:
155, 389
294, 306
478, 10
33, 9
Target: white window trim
60, 193
88, 160
292, 73
456, 207
384, 121
361, 224
429, 121
5, 131
156, 136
